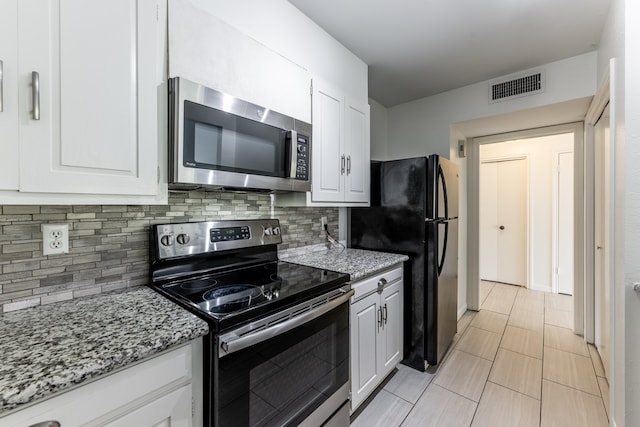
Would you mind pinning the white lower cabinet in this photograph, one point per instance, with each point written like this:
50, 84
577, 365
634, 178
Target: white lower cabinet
376, 332
156, 392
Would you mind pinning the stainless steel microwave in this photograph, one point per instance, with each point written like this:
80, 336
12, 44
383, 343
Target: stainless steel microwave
221, 142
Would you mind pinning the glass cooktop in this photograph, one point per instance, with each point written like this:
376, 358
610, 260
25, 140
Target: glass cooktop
228, 298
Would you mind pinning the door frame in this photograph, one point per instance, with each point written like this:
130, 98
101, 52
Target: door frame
528, 249
555, 249
473, 206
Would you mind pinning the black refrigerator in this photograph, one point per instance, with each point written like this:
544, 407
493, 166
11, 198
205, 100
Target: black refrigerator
414, 211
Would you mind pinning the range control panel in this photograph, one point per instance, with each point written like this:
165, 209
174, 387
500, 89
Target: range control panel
226, 234
189, 238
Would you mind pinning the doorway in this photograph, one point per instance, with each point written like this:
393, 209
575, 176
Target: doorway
541, 260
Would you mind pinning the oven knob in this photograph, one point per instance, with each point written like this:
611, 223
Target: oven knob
276, 231
183, 238
268, 231
166, 240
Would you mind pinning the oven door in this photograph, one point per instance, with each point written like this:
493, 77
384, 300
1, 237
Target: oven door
293, 372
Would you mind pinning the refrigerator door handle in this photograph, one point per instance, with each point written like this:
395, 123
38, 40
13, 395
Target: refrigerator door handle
444, 247
444, 191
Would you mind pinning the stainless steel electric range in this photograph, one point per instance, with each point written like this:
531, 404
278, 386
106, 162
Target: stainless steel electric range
278, 348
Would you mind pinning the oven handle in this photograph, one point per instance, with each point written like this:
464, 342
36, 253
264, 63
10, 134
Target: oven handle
232, 342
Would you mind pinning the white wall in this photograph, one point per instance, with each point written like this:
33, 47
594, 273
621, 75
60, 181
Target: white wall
541, 154
423, 126
379, 130
283, 28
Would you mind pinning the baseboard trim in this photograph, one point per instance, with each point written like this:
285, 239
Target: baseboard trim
541, 288
461, 311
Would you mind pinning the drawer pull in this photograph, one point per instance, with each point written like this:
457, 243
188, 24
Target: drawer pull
46, 424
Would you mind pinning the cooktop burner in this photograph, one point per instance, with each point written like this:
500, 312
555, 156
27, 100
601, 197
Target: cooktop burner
227, 299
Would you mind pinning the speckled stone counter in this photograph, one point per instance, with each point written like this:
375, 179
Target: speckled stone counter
50, 348
357, 263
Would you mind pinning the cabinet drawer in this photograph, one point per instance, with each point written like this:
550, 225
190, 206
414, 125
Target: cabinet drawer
367, 286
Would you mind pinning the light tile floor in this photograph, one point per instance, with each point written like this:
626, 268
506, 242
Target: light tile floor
516, 362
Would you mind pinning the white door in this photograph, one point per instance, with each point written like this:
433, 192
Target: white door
328, 159
602, 204
357, 120
99, 67
504, 225
564, 259
391, 303
364, 318
489, 221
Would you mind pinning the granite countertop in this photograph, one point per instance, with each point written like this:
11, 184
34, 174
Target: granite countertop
357, 263
50, 348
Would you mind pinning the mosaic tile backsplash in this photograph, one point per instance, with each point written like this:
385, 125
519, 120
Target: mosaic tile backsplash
109, 245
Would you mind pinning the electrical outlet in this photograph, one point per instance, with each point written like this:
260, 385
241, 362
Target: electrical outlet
55, 239
323, 222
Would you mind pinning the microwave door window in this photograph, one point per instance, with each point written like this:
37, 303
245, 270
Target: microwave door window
214, 139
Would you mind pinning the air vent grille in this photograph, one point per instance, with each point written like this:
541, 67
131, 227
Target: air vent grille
525, 85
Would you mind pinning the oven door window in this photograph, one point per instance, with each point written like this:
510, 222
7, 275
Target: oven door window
214, 139
282, 380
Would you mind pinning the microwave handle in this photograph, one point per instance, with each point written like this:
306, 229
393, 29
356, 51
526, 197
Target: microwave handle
293, 153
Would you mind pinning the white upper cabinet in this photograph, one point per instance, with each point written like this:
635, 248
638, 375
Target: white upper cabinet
207, 50
8, 95
340, 148
84, 98
358, 152
328, 159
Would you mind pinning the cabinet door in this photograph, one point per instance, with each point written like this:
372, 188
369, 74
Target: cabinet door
99, 74
364, 329
391, 344
170, 410
357, 150
9, 148
328, 159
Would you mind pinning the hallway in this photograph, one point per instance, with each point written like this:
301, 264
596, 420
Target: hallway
516, 362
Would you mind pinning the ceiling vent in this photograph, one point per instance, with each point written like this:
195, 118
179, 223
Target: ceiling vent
516, 87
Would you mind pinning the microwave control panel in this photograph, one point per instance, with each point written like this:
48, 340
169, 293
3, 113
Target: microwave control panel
302, 164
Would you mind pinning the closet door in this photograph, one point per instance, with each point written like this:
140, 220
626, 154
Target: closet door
503, 219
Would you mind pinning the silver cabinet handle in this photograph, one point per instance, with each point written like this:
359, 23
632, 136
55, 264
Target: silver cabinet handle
35, 94
379, 318
342, 165
385, 314
46, 424
1, 86
349, 165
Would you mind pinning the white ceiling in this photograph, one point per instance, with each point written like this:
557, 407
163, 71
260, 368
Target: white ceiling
417, 48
